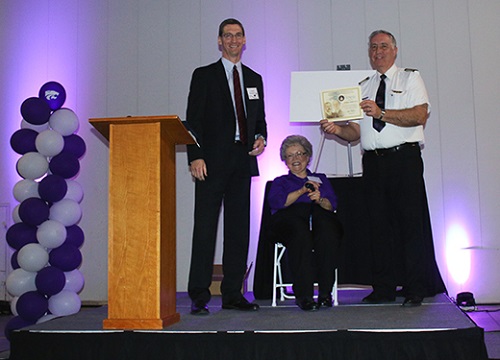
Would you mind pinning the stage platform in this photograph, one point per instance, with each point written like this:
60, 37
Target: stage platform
436, 330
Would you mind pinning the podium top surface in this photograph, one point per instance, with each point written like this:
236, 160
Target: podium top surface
172, 122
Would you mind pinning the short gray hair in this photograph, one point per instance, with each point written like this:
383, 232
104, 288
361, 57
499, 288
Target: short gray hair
376, 32
295, 140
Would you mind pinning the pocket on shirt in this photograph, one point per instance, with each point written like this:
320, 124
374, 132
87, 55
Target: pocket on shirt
396, 100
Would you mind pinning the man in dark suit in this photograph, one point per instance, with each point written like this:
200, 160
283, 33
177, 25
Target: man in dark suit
230, 134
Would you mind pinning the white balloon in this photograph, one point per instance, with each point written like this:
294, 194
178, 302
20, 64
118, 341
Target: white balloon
74, 281
13, 304
75, 191
15, 214
37, 128
20, 281
25, 189
64, 121
49, 143
32, 165
66, 211
51, 234
32, 257
64, 303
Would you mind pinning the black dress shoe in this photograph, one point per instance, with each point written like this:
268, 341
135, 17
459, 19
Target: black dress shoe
241, 304
307, 304
325, 301
413, 300
199, 308
376, 298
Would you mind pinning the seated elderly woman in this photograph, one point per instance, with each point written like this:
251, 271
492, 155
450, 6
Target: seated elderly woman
303, 216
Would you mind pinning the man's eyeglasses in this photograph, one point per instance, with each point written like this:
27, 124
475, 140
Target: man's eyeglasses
229, 36
298, 154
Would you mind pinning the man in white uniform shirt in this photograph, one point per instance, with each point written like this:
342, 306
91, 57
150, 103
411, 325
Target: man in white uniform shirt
392, 134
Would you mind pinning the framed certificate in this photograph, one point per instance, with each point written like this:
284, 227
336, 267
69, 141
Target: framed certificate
341, 104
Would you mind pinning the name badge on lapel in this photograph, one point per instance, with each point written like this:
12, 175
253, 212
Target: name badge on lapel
253, 94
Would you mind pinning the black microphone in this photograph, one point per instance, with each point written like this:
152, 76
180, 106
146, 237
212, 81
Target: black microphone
310, 186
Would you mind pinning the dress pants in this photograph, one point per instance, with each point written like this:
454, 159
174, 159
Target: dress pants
312, 254
228, 185
395, 197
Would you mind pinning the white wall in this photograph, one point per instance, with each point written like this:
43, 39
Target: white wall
135, 57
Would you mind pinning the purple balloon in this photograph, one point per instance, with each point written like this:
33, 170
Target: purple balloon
16, 323
32, 305
34, 211
21, 234
35, 111
53, 93
52, 188
23, 141
13, 260
66, 257
50, 280
65, 164
74, 236
75, 145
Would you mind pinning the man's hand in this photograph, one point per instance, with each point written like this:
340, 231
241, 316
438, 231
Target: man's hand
349, 131
198, 169
329, 127
370, 108
258, 147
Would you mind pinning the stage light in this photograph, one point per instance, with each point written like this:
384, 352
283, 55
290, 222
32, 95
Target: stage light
466, 302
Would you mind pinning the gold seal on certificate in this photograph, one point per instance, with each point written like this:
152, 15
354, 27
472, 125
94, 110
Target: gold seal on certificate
342, 104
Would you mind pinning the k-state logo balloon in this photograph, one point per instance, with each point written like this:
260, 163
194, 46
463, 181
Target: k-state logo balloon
53, 93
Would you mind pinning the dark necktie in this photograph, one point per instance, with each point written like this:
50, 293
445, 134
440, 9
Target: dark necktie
380, 101
240, 110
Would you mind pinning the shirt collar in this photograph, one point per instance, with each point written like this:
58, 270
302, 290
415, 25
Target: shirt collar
292, 174
390, 73
228, 65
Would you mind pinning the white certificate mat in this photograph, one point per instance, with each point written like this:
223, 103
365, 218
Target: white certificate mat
306, 88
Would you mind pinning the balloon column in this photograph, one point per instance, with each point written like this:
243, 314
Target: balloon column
45, 235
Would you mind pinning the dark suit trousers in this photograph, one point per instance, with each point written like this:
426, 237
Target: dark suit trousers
395, 197
291, 227
229, 185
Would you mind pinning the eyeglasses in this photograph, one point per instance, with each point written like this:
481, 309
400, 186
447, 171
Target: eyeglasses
298, 154
229, 36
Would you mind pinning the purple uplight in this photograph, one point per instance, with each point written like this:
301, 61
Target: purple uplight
30, 63
458, 257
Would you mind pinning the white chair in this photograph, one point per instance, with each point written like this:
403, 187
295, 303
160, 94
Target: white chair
279, 251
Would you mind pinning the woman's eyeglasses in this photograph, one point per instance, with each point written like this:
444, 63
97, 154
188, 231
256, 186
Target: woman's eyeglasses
298, 154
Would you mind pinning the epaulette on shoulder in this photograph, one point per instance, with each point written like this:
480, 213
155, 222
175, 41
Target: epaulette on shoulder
362, 81
410, 70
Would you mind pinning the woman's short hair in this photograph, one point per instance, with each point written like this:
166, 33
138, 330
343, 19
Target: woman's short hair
295, 140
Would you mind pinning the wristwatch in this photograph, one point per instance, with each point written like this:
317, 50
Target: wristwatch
382, 114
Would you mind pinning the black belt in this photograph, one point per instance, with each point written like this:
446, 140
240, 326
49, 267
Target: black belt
238, 142
405, 146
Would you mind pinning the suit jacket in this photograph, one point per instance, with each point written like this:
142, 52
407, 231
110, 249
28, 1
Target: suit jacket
210, 115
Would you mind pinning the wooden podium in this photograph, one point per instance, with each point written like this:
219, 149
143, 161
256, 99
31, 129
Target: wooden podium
142, 220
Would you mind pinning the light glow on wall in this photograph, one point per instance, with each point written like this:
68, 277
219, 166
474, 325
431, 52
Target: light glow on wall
458, 256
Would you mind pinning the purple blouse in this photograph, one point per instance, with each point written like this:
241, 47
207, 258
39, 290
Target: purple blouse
285, 184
